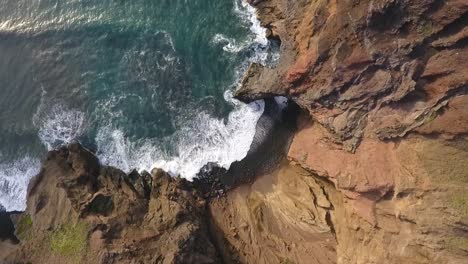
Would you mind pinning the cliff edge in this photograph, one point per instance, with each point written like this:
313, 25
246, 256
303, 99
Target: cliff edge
384, 89
377, 171
81, 212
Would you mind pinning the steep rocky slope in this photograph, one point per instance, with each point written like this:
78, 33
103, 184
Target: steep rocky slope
369, 69
376, 173
385, 88
283, 217
81, 212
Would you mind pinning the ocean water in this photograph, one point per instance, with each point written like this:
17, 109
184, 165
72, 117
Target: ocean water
144, 83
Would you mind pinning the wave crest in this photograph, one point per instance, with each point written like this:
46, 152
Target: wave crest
205, 140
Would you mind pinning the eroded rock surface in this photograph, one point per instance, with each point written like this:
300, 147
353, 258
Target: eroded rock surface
382, 149
368, 68
404, 201
81, 212
384, 85
281, 218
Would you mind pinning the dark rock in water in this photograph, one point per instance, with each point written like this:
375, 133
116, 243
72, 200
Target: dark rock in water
208, 181
81, 212
7, 229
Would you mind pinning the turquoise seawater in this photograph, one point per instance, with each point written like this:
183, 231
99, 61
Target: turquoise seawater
144, 83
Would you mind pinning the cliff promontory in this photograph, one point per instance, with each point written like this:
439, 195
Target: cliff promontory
375, 169
81, 212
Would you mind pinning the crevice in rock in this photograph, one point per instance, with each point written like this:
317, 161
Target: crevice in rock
226, 254
452, 28
330, 224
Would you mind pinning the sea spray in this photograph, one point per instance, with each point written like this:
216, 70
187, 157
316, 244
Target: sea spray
14, 178
211, 140
61, 126
129, 79
205, 140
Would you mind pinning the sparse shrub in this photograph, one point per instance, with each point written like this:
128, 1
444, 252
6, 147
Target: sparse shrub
69, 240
23, 226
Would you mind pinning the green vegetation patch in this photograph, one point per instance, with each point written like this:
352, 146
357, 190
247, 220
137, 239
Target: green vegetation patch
69, 240
287, 261
459, 243
460, 202
23, 226
425, 28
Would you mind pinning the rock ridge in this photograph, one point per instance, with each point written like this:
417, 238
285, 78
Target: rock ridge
79, 211
375, 173
384, 89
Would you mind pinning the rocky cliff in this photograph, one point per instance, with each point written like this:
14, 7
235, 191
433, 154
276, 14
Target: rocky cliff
377, 171
384, 87
81, 212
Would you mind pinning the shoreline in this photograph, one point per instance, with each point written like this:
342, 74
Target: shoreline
366, 166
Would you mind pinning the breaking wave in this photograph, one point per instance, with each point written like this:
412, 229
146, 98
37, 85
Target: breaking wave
61, 126
230, 45
205, 140
14, 179
258, 41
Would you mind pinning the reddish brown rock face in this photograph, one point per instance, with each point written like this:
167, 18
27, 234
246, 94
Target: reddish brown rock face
385, 87
374, 68
382, 149
405, 201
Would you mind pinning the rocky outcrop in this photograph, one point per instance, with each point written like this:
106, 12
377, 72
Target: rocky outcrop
384, 88
404, 202
81, 212
379, 69
283, 217
376, 173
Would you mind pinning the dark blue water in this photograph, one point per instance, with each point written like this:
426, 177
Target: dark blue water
145, 83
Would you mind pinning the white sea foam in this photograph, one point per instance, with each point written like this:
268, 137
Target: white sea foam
14, 179
57, 126
205, 140
116, 150
211, 140
258, 40
60, 126
248, 13
230, 45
